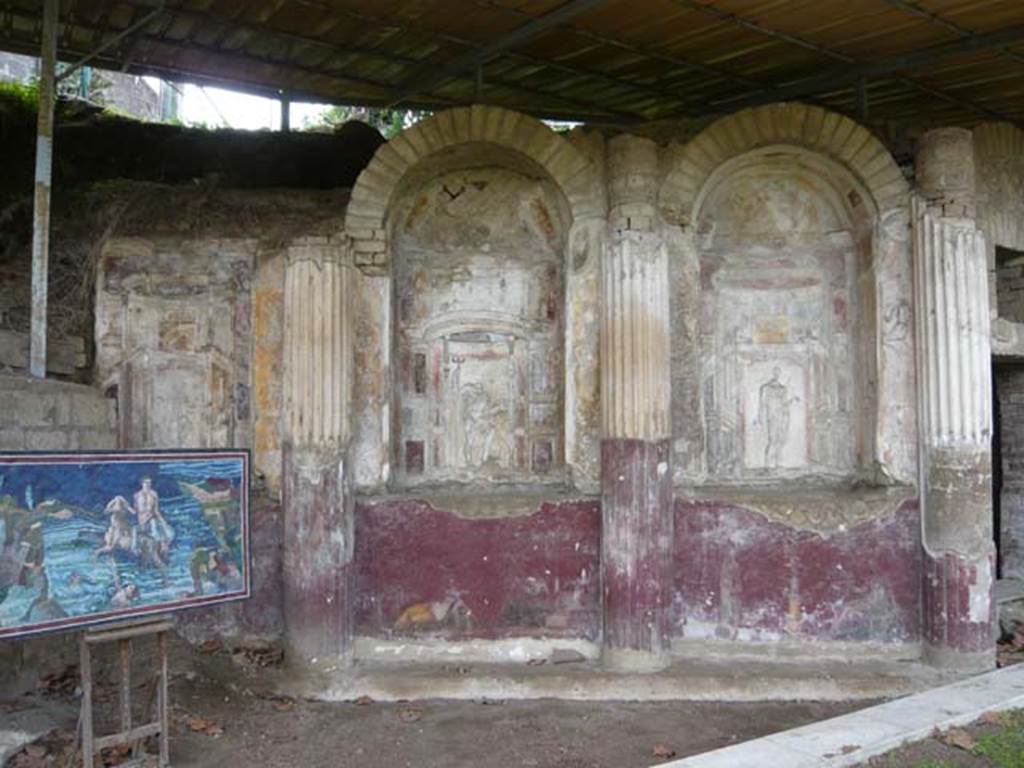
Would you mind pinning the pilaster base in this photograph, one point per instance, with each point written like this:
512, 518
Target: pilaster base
636, 552
318, 531
959, 612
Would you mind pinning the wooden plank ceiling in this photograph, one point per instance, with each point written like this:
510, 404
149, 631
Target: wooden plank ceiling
901, 61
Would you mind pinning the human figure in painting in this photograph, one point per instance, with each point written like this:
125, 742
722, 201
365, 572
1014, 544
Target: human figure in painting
155, 535
773, 417
125, 596
120, 533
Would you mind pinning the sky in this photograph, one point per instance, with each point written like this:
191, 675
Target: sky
217, 107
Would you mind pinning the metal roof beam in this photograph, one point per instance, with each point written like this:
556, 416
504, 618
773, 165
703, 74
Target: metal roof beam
447, 37
859, 82
472, 59
916, 10
574, 110
596, 37
204, 17
849, 74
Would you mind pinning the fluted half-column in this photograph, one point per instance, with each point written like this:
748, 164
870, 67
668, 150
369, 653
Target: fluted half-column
954, 376
636, 477
317, 498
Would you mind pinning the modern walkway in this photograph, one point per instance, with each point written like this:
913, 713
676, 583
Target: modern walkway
854, 738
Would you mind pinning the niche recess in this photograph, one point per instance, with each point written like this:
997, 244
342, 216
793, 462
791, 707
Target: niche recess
478, 243
785, 333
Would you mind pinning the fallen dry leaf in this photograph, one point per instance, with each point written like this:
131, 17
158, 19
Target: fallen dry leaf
959, 738
410, 714
211, 646
199, 725
364, 701
284, 704
663, 752
848, 748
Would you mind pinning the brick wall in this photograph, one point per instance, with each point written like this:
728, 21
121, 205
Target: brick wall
1010, 393
54, 416
1010, 284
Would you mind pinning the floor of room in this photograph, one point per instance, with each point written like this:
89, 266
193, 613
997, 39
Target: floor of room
225, 713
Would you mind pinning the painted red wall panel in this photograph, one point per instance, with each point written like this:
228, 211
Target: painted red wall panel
741, 576
427, 572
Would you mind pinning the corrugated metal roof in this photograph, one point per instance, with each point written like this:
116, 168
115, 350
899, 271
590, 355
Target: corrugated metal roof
906, 61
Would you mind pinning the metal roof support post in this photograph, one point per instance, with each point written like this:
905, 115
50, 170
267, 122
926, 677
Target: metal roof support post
286, 112
44, 174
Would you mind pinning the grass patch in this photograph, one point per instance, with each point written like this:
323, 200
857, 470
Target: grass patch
1005, 747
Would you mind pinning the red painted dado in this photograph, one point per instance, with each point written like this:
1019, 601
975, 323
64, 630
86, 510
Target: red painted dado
316, 564
422, 571
959, 602
636, 544
741, 576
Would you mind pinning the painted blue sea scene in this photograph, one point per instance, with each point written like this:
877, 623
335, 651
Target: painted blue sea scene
87, 538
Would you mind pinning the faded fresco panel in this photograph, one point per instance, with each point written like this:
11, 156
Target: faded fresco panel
479, 292
778, 329
88, 538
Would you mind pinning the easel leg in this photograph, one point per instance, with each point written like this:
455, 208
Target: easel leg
125, 648
165, 752
85, 665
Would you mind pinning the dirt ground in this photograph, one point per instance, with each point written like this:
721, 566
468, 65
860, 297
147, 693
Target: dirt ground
225, 715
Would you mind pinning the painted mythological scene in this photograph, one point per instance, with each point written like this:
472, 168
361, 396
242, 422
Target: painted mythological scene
88, 538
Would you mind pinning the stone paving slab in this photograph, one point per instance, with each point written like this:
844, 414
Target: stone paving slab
19, 729
854, 738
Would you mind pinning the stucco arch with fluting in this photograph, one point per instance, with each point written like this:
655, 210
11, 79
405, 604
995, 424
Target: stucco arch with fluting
819, 130
478, 135
367, 211
770, 134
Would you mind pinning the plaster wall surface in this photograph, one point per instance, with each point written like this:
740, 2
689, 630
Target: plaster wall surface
780, 327
999, 188
442, 568
479, 242
787, 242
479, 293
173, 336
740, 576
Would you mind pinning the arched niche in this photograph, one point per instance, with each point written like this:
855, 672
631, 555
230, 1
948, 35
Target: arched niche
786, 321
478, 239
849, 181
439, 149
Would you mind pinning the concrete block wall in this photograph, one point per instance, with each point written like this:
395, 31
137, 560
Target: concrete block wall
48, 415
54, 416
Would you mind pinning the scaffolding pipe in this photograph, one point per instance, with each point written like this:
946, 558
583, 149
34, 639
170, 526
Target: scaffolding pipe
44, 174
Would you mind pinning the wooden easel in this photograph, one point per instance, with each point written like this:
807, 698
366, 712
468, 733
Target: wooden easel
123, 633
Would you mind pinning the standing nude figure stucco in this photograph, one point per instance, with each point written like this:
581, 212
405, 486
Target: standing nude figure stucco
773, 417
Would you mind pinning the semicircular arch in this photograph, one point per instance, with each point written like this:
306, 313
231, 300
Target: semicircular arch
376, 187
832, 135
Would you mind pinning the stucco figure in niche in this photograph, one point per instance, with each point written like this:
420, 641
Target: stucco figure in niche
773, 417
479, 328
778, 326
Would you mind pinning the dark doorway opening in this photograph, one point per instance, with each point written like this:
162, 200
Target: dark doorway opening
1008, 467
997, 470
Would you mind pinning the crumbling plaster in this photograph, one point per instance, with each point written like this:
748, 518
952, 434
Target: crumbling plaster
857, 179
445, 209
854, 175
